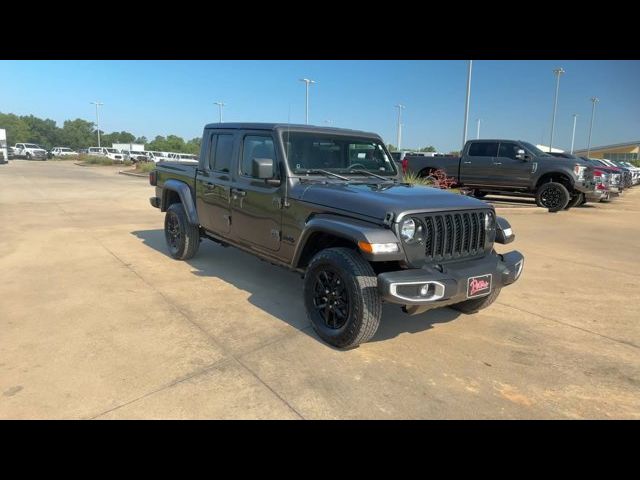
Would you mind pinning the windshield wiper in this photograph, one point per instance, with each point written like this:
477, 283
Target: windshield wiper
371, 174
325, 172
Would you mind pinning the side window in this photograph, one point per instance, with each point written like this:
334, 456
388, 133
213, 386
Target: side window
223, 152
508, 150
255, 146
483, 149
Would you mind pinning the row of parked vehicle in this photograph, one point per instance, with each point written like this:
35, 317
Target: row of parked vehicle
557, 181
32, 151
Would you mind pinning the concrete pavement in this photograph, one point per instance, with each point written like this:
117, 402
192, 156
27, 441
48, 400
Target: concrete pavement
97, 321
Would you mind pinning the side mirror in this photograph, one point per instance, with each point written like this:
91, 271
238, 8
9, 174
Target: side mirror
262, 168
521, 155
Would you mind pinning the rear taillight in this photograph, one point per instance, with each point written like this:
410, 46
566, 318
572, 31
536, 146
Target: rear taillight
153, 178
405, 165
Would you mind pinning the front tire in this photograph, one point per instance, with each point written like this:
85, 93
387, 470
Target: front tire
474, 305
576, 201
183, 238
553, 196
341, 297
28, 156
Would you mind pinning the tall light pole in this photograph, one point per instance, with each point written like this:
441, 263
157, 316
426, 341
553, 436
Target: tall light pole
400, 107
478, 129
307, 81
466, 106
557, 72
220, 106
573, 135
97, 104
594, 100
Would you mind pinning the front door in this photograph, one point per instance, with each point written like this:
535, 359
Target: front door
213, 182
255, 204
477, 166
512, 171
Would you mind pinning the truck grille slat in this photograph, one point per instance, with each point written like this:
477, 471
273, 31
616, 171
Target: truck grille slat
454, 235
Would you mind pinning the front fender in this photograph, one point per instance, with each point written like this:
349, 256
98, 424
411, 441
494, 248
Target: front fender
352, 230
186, 197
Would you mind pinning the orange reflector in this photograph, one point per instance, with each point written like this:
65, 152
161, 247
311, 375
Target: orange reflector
365, 247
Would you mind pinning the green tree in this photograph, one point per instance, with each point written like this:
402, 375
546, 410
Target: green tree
78, 133
430, 148
17, 129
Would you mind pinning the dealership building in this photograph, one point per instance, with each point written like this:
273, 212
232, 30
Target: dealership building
624, 152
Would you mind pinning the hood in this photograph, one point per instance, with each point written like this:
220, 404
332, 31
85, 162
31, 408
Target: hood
375, 200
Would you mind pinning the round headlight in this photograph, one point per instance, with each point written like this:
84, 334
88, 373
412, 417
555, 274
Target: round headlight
407, 229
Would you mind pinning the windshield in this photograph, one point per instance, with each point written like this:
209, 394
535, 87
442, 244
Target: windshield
535, 150
66, 150
112, 150
32, 145
337, 154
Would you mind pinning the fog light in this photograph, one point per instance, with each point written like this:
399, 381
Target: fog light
424, 291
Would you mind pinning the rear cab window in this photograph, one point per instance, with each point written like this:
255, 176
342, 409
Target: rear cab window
483, 149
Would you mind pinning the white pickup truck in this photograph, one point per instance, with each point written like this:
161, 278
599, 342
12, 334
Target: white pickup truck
111, 153
63, 152
183, 157
30, 151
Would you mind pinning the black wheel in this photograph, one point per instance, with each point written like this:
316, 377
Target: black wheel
341, 297
183, 238
479, 194
553, 196
584, 201
575, 201
28, 156
476, 304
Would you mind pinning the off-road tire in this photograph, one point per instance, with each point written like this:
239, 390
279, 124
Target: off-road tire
479, 194
27, 156
558, 190
186, 246
474, 305
361, 286
576, 201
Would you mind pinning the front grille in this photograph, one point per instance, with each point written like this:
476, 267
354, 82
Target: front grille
454, 235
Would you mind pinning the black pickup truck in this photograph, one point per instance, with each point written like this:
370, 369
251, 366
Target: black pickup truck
330, 204
511, 167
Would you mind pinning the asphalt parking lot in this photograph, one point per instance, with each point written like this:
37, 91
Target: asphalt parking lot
97, 321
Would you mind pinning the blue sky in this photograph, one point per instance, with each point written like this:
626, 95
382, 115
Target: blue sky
513, 99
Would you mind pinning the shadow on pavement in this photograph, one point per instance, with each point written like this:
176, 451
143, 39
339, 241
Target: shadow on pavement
278, 291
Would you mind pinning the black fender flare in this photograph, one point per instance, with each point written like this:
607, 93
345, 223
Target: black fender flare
186, 197
349, 229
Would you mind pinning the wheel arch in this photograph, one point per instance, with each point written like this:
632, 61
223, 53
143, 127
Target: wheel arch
175, 191
326, 231
559, 177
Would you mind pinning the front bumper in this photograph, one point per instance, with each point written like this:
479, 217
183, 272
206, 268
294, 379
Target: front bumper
584, 186
596, 195
450, 285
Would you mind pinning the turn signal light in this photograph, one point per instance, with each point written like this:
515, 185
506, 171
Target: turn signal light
378, 247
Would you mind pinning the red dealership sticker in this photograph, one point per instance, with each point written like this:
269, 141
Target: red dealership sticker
478, 286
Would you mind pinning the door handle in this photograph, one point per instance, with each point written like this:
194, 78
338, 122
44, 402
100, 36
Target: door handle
497, 163
467, 162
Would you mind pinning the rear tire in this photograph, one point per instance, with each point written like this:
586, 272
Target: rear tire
474, 305
553, 196
183, 238
341, 297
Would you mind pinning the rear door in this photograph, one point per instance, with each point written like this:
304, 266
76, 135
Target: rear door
213, 181
511, 171
255, 204
477, 165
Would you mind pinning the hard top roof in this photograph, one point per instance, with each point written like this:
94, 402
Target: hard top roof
284, 126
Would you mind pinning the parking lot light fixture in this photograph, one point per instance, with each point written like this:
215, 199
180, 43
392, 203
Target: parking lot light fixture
466, 104
220, 107
307, 81
400, 107
97, 104
573, 135
594, 100
557, 72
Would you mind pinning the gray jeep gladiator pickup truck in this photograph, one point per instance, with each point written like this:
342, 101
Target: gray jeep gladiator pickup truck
511, 167
330, 204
